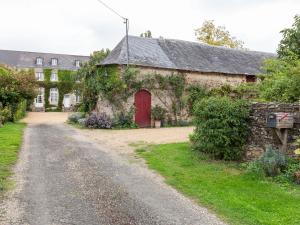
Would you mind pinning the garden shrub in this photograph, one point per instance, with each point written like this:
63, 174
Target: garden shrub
20, 110
81, 122
74, 117
98, 120
158, 112
273, 162
124, 120
5, 114
195, 92
221, 127
287, 176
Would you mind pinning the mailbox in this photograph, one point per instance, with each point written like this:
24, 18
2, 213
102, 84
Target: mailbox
280, 120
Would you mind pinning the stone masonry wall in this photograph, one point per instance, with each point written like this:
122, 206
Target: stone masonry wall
261, 136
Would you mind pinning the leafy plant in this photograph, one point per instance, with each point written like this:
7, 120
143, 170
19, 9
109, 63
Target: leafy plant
5, 114
74, 117
98, 120
158, 112
221, 127
124, 120
289, 47
81, 122
273, 161
16, 88
195, 93
281, 81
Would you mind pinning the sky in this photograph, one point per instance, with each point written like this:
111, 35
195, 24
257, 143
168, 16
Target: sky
84, 26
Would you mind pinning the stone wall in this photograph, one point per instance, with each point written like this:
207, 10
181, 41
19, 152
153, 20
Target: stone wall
206, 79
261, 136
161, 98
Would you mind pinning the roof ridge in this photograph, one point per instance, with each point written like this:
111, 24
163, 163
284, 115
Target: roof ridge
206, 45
21, 51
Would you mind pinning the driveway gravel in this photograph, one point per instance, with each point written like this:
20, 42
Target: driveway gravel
63, 177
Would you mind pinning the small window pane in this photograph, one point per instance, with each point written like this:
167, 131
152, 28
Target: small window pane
77, 63
53, 96
39, 61
54, 62
54, 77
39, 76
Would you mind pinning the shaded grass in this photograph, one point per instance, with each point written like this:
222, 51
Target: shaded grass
10, 141
225, 188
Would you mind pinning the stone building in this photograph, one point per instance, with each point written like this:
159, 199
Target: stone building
50, 70
207, 65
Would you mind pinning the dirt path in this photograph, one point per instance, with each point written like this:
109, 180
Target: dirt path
63, 177
120, 141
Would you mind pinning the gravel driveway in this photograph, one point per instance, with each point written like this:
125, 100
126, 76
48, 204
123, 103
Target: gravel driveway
63, 177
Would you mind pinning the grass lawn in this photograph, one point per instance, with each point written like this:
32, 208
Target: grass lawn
10, 141
234, 195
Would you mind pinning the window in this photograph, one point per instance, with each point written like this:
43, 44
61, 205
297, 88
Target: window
39, 61
39, 76
54, 62
77, 63
54, 76
39, 98
77, 98
53, 96
250, 79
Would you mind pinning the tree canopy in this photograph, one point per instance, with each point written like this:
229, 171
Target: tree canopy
289, 46
147, 34
88, 74
211, 34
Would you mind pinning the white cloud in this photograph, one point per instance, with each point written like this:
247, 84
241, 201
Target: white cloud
82, 26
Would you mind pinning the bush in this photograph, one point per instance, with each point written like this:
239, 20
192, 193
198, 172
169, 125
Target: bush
273, 162
281, 81
20, 110
98, 120
158, 112
74, 117
124, 120
5, 114
289, 172
221, 127
82, 122
196, 92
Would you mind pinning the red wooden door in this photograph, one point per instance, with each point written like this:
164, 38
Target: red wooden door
142, 100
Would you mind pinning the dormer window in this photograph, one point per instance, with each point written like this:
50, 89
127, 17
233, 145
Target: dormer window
54, 62
39, 61
77, 63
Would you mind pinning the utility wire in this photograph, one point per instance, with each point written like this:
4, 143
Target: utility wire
111, 9
126, 21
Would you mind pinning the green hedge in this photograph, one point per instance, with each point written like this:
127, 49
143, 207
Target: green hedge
221, 127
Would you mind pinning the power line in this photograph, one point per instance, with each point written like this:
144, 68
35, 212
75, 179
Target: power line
126, 21
111, 9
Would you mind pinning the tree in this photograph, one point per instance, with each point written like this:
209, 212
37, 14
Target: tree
281, 81
289, 46
88, 75
210, 34
16, 89
147, 34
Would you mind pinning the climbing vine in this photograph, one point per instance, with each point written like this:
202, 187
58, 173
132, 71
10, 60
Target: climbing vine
117, 84
65, 84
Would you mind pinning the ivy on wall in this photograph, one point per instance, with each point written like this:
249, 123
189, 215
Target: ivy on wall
65, 84
116, 85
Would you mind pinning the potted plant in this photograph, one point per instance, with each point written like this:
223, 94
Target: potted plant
158, 114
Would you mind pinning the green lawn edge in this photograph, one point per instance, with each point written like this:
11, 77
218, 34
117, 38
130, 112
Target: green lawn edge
223, 187
11, 136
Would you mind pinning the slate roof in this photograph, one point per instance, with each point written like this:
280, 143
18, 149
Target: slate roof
22, 59
187, 56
